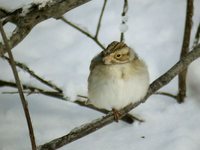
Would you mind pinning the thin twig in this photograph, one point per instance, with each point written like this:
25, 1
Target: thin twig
33, 89
125, 10
184, 50
197, 36
100, 18
83, 31
88, 128
82, 96
19, 86
33, 74
167, 94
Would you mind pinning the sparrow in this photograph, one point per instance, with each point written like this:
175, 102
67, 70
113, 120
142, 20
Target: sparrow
118, 77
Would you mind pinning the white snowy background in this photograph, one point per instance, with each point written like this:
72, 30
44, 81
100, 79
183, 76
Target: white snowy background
62, 54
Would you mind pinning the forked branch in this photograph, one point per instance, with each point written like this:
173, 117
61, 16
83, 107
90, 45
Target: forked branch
184, 50
83, 31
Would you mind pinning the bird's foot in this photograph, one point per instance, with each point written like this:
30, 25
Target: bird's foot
116, 114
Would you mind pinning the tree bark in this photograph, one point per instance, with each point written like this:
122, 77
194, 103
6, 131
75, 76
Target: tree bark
36, 14
184, 50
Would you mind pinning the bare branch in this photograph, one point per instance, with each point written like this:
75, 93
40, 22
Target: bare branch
197, 36
33, 89
35, 15
100, 18
94, 38
32, 73
19, 86
88, 128
184, 50
83, 31
167, 94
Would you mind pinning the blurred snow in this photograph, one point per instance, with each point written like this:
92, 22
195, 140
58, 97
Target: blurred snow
61, 54
43, 2
11, 5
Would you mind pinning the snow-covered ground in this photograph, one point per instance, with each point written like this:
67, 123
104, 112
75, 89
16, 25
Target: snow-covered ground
61, 54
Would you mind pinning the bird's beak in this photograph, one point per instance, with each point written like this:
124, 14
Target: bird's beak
107, 59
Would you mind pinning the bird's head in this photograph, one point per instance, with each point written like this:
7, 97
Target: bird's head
118, 53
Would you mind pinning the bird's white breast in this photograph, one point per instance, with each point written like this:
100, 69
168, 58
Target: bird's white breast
115, 86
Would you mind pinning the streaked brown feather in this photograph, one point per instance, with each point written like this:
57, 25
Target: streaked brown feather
113, 47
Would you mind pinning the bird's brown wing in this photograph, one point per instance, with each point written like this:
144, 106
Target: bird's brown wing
97, 60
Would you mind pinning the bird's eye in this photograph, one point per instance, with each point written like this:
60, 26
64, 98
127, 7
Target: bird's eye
118, 55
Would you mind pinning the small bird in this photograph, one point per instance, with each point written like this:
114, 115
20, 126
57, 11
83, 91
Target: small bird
118, 77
